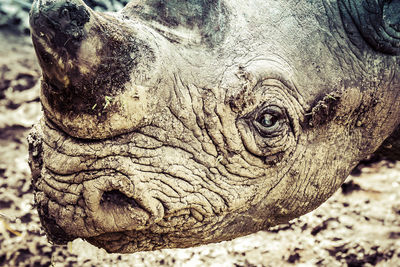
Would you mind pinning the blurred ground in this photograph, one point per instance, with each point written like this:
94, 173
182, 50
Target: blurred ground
358, 226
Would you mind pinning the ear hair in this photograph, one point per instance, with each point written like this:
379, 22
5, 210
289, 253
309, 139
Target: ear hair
376, 21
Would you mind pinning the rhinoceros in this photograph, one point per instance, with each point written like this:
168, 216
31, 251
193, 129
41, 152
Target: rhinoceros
178, 123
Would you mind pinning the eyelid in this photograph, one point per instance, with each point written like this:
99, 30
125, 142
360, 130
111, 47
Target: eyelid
272, 109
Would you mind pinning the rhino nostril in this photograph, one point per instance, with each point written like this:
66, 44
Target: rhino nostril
65, 14
115, 198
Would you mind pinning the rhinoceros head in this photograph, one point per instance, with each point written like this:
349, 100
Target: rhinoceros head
179, 123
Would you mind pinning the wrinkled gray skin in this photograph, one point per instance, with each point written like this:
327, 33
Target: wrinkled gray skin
179, 123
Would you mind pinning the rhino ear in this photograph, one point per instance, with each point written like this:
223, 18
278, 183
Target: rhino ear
376, 21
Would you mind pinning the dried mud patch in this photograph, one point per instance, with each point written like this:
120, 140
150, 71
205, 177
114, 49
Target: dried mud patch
358, 226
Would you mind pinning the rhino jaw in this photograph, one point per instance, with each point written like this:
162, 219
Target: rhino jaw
98, 75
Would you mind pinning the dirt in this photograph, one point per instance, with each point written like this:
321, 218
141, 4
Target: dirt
358, 226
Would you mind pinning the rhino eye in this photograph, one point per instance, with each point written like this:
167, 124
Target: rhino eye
269, 121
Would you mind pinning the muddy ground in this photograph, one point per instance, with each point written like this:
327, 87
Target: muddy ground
358, 226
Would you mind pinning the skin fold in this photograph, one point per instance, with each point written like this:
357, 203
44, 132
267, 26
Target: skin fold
179, 123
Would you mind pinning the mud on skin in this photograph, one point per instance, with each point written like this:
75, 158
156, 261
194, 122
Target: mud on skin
173, 127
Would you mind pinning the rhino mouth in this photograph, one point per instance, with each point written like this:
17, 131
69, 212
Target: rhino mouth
97, 210
82, 195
